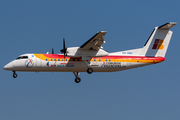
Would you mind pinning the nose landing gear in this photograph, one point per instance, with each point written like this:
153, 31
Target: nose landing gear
77, 79
14, 74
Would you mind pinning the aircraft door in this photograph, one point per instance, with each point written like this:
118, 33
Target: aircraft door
38, 60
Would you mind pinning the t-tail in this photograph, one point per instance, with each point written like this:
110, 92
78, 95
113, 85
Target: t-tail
158, 42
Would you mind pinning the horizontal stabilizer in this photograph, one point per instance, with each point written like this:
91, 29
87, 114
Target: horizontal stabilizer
167, 26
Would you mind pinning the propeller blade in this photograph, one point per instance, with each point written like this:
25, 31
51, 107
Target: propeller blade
52, 51
64, 48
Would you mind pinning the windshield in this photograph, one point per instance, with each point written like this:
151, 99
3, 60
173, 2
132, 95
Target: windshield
22, 57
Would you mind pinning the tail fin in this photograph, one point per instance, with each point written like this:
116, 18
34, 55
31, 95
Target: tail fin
158, 41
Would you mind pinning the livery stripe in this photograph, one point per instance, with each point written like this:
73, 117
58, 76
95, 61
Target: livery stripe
109, 58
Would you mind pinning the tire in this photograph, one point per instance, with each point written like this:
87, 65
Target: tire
89, 70
77, 79
14, 75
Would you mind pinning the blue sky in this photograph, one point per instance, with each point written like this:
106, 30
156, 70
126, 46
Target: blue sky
150, 92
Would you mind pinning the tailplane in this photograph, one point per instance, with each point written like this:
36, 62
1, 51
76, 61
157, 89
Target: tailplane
158, 42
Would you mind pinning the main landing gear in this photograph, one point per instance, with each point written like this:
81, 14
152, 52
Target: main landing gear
14, 74
77, 79
89, 70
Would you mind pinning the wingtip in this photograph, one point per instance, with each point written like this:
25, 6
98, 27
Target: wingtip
173, 22
102, 32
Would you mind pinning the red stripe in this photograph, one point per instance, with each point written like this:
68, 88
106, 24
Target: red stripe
111, 57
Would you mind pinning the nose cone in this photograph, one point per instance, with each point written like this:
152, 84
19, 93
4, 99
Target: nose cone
9, 66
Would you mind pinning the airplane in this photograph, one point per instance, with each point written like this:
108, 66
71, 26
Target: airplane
90, 57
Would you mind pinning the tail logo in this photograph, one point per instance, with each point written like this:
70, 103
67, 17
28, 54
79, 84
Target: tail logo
158, 44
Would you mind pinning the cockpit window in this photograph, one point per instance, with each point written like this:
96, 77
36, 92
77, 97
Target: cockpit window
18, 58
22, 57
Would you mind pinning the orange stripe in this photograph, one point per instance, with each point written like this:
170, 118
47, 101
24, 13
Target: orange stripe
137, 59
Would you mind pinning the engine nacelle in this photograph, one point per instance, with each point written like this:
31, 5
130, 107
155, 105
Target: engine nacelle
78, 52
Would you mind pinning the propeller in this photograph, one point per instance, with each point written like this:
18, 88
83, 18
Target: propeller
64, 48
52, 51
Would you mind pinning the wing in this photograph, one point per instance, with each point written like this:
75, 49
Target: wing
95, 42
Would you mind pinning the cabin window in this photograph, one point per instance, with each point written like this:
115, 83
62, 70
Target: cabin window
109, 60
58, 59
51, 59
106, 60
46, 59
61, 59
54, 59
94, 59
66, 59
73, 59
99, 60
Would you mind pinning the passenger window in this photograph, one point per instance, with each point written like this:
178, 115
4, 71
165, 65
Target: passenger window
58, 59
46, 59
54, 59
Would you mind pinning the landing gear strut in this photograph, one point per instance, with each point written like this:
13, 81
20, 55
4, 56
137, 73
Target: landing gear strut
14, 74
77, 79
89, 70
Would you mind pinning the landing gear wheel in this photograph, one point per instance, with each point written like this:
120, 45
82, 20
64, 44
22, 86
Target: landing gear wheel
77, 79
89, 70
14, 75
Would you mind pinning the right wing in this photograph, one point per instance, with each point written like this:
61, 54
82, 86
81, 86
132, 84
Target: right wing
95, 42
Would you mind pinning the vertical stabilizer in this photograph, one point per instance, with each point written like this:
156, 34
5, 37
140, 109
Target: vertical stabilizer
158, 41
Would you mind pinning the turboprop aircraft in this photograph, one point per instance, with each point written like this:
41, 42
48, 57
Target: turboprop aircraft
90, 57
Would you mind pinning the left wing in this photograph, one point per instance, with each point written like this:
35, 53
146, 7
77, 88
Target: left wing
95, 42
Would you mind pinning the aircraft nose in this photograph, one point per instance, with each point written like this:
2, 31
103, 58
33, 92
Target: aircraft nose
9, 66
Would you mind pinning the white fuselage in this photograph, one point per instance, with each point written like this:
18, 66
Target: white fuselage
57, 63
